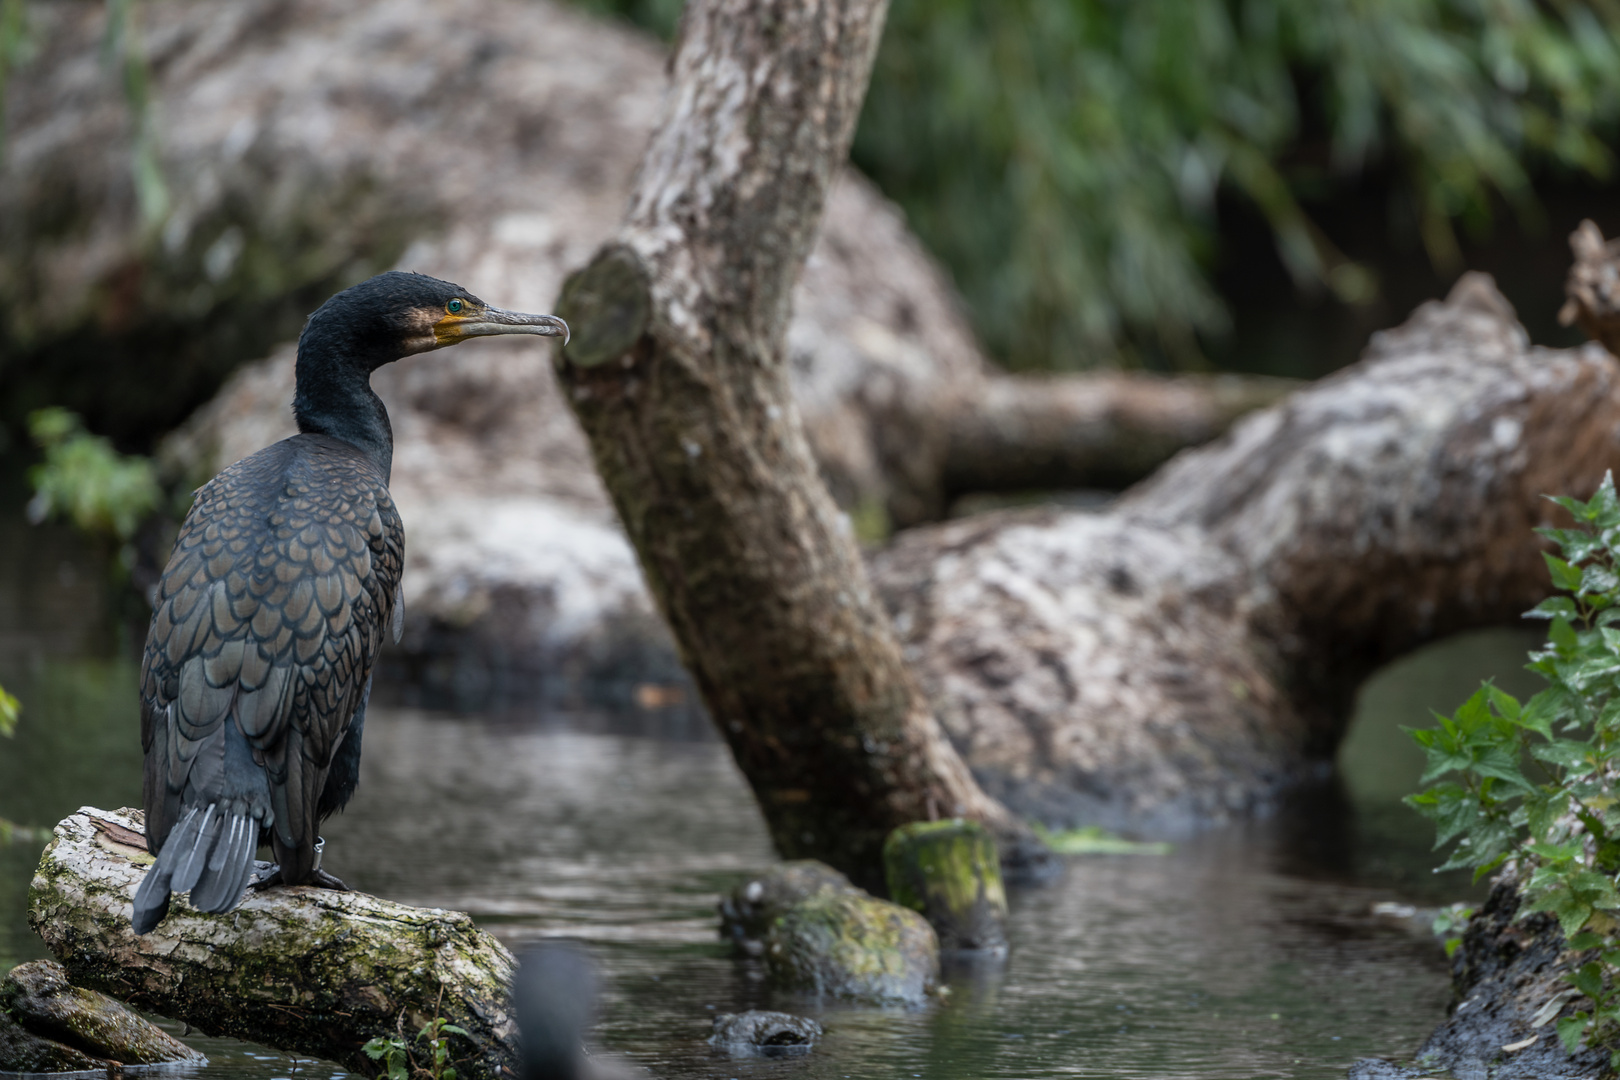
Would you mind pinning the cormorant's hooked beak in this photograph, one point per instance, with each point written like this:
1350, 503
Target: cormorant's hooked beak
489, 321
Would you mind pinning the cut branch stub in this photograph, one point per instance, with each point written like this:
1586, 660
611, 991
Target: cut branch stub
606, 305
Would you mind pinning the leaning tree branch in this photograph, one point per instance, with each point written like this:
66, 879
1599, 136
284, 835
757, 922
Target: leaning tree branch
309, 970
677, 374
1099, 430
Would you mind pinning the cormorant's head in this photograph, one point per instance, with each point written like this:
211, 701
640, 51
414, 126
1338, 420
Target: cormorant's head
400, 314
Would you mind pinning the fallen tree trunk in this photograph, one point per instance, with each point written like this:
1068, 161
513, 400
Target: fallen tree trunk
1179, 659
308, 970
678, 373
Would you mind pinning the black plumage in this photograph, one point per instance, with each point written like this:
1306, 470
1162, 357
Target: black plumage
273, 606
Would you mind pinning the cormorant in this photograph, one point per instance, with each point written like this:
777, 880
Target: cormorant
272, 608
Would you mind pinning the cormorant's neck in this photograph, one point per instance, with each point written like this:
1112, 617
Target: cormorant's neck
334, 397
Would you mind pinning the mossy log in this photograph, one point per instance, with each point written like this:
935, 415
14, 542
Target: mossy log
307, 970
50, 1025
948, 871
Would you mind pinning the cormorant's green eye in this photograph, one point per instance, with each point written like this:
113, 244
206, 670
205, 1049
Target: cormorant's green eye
454, 307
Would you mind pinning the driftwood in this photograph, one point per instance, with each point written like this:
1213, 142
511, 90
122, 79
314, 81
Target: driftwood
1181, 657
309, 970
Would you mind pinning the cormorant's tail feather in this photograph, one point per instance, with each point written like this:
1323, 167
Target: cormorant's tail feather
209, 854
222, 883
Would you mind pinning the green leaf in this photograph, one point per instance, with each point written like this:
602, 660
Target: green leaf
1570, 1030
1569, 754
1451, 807
1603, 509
1554, 607
1556, 853
1597, 578
10, 709
1563, 635
454, 1030
1585, 940
1565, 577
1506, 704
1543, 711
1588, 979
1575, 545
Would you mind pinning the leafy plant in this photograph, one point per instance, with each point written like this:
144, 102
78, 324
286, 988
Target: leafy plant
1538, 782
1449, 923
86, 481
398, 1061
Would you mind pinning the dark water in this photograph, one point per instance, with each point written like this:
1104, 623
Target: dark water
1246, 953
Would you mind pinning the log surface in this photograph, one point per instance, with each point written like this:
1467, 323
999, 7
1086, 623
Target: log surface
309, 970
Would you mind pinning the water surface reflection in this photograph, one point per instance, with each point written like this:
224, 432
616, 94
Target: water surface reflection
1250, 952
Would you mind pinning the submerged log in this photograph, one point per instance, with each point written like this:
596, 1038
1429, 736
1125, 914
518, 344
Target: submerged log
1183, 656
308, 970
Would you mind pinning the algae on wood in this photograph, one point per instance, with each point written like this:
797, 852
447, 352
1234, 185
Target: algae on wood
820, 935
304, 969
948, 870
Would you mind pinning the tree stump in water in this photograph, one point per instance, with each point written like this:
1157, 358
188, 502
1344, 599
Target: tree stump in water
305, 969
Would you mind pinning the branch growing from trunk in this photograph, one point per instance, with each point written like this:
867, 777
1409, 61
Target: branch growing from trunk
677, 374
1110, 430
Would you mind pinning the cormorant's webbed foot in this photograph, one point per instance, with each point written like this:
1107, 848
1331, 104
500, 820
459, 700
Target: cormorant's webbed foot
268, 874
322, 879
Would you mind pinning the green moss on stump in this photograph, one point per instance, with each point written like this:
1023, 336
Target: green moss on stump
820, 935
950, 872
854, 948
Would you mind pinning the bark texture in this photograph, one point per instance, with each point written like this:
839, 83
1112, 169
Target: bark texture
678, 373
308, 970
1177, 659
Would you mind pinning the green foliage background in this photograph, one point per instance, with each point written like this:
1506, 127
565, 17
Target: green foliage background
1064, 157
